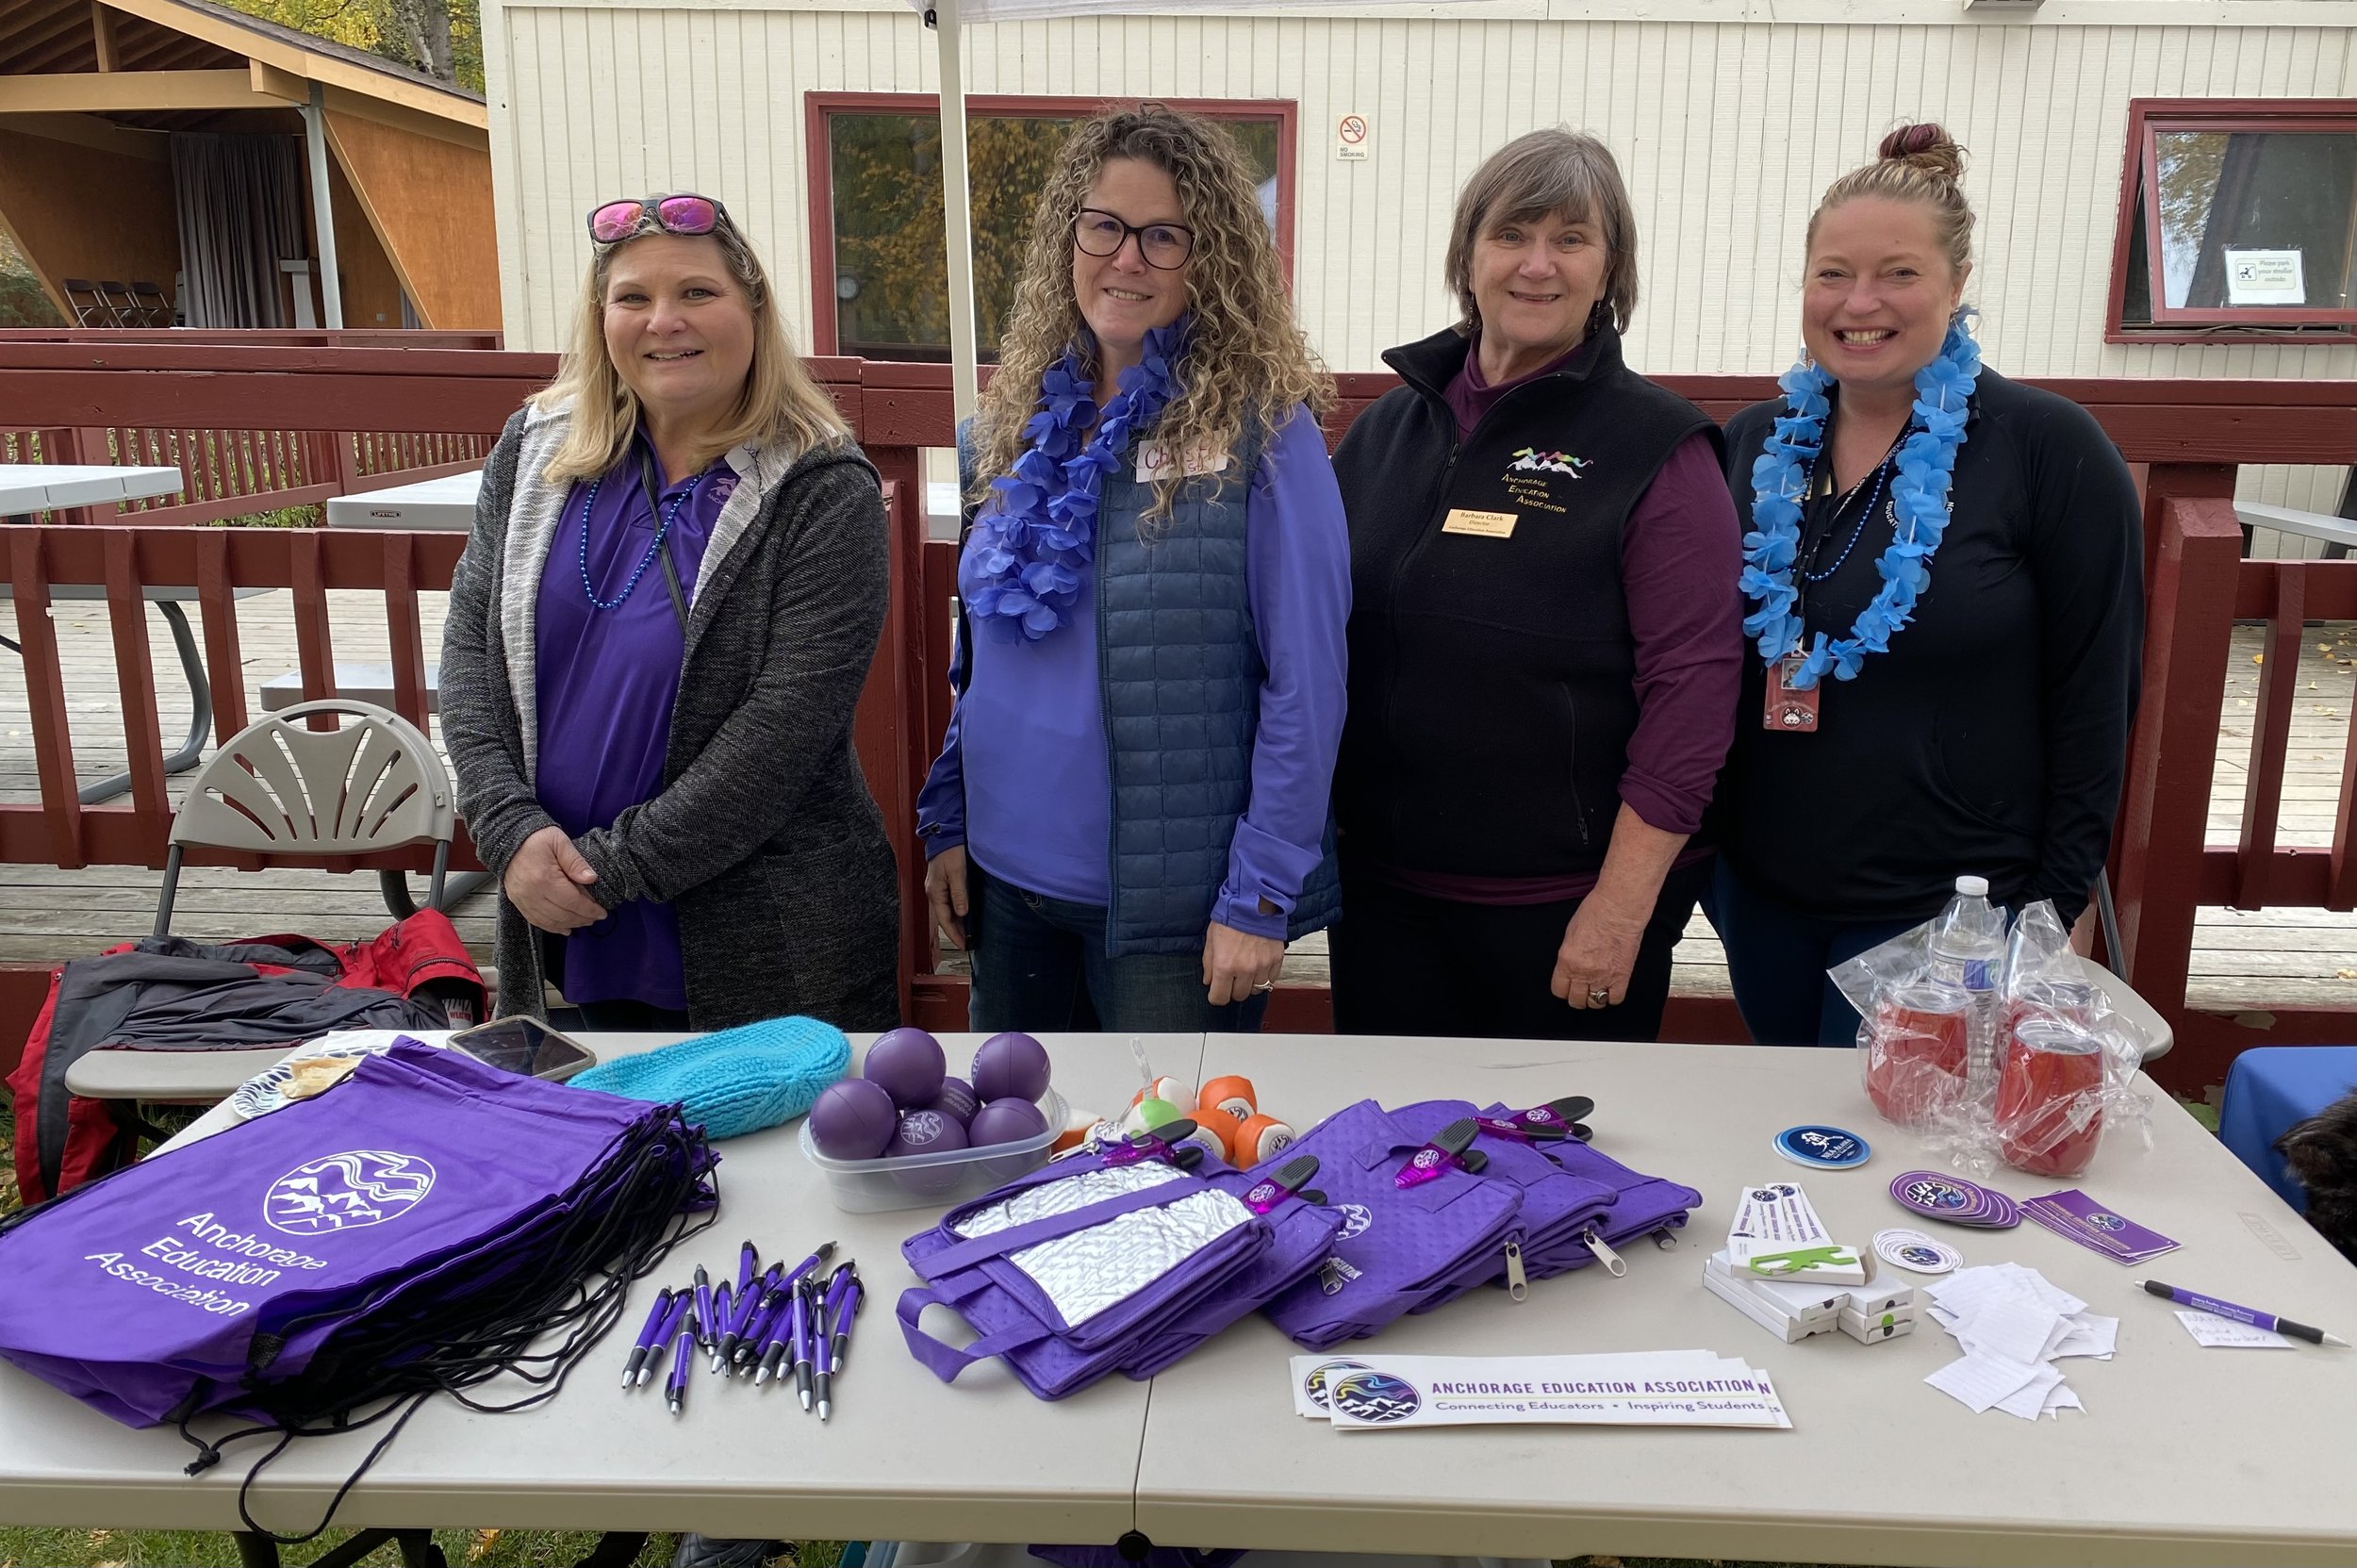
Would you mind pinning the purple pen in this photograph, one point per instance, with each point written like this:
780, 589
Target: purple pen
777, 1343
837, 1282
748, 1309
671, 1322
802, 1330
683, 1348
808, 1263
723, 1312
821, 1357
703, 1299
649, 1337
748, 1265
2233, 1314
840, 1320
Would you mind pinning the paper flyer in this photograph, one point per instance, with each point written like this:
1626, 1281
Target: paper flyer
1668, 1388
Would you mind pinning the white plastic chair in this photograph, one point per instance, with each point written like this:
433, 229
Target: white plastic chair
280, 789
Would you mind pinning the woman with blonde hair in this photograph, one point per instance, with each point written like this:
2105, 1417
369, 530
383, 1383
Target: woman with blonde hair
1127, 820
657, 635
1945, 577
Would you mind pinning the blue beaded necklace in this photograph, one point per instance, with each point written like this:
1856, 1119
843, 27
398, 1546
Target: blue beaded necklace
662, 530
1881, 472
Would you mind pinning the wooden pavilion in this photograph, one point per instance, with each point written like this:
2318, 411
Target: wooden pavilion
255, 176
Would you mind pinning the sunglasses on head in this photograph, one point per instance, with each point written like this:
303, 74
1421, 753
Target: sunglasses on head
613, 221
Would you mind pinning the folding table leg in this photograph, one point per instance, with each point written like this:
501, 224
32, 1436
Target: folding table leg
200, 714
418, 1550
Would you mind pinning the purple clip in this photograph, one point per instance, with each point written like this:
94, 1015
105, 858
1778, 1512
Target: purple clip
1445, 1152
1291, 1177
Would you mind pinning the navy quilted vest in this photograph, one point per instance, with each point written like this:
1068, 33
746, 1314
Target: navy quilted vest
1179, 675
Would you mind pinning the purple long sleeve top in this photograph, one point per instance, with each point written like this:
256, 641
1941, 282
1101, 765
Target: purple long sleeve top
607, 679
1023, 781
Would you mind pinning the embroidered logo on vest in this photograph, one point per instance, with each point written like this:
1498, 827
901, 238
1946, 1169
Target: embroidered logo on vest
1529, 478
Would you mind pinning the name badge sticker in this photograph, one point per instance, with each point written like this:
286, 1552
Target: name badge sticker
1488, 525
1154, 463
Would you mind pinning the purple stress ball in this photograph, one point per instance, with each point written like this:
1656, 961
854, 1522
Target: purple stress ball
925, 1132
929, 1133
853, 1119
908, 1064
1005, 1121
1009, 1067
957, 1098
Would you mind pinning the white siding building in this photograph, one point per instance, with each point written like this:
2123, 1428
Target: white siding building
1729, 116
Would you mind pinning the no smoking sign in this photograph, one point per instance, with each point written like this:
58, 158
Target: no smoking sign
1353, 139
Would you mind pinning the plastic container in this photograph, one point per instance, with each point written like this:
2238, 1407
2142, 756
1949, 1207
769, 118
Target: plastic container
2050, 1100
933, 1181
1968, 952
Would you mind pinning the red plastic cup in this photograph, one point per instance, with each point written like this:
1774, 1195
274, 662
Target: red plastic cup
2049, 1113
1914, 1057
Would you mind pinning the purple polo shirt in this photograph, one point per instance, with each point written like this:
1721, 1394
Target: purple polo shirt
1035, 804
605, 682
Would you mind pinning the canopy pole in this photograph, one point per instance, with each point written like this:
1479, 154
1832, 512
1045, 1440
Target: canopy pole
324, 208
956, 215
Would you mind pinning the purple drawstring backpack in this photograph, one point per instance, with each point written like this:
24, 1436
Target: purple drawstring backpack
1399, 1246
1113, 1258
1642, 1206
413, 1230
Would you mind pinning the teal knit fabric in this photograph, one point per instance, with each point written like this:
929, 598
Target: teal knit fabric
737, 1080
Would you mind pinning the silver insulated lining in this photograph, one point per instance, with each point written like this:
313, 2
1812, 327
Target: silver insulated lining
1104, 1266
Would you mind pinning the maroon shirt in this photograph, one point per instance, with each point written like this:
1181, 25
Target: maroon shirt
1680, 555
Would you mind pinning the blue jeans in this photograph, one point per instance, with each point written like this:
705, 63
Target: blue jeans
1039, 965
1777, 958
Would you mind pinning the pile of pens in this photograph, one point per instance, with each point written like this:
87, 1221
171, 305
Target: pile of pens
760, 1326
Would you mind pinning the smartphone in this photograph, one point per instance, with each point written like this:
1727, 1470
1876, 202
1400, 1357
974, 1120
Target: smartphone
525, 1047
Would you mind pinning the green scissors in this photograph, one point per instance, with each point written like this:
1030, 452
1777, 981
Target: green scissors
1795, 1262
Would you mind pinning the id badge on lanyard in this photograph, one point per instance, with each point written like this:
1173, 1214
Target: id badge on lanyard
1790, 711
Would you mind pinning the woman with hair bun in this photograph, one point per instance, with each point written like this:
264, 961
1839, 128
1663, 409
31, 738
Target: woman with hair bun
1944, 579
1129, 820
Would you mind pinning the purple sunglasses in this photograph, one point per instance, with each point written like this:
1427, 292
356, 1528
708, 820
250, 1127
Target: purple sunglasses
613, 221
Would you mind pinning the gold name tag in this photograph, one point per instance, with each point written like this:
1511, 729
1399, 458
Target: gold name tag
1490, 525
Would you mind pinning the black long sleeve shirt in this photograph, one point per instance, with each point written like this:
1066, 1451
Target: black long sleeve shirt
1991, 739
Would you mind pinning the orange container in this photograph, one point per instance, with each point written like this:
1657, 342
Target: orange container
1915, 1056
2049, 1113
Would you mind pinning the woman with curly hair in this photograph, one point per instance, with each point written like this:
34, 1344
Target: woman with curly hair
1127, 820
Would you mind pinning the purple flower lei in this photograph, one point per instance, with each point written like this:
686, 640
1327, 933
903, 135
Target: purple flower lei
1031, 545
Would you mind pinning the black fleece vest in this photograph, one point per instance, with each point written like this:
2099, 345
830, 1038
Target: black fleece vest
1491, 670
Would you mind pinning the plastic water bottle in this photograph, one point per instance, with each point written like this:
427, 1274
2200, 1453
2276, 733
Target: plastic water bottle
1967, 950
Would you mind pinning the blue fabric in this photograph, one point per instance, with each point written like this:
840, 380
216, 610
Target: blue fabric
734, 1080
2270, 1089
606, 681
1168, 650
1777, 958
1039, 965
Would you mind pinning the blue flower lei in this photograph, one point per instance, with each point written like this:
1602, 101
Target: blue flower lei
1920, 504
1031, 547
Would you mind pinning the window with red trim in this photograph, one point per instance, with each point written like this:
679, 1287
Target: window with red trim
2238, 215
880, 270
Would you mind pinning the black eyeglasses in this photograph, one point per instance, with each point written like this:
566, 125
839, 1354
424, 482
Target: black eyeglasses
1165, 246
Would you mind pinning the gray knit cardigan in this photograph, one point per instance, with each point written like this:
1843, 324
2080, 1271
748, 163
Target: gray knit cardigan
763, 837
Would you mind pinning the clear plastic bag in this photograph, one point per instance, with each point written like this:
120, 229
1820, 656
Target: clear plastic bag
2067, 1060
1913, 1037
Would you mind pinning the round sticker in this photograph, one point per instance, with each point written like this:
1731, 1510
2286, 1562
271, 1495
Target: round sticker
1916, 1252
1823, 1147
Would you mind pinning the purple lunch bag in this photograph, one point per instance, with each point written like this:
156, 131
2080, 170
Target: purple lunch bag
1398, 1245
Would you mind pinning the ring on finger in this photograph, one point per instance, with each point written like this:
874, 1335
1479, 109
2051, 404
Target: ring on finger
1599, 996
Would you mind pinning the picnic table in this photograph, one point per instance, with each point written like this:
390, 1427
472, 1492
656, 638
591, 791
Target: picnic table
26, 488
2183, 1454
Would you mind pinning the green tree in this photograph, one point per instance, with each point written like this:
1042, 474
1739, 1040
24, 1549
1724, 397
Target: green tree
441, 37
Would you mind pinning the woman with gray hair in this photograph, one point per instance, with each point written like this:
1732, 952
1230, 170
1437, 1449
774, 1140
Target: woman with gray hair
657, 635
1545, 646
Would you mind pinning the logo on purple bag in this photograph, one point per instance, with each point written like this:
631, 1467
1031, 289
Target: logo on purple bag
345, 1192
1314, 1385
1375, 1396
1357, 1219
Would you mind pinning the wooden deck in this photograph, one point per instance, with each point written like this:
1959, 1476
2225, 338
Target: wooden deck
2242, 959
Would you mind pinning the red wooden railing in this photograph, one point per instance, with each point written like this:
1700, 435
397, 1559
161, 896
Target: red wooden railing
2189, 434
